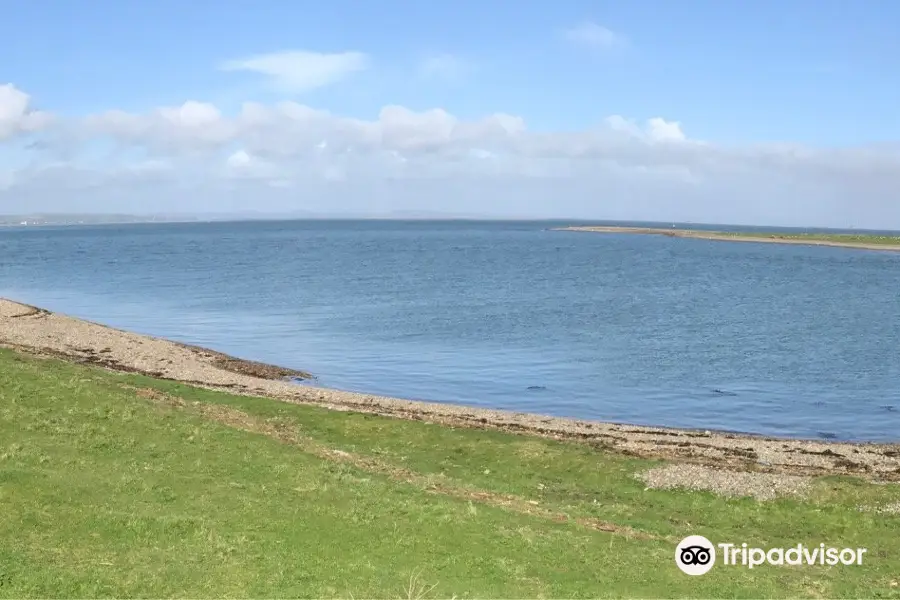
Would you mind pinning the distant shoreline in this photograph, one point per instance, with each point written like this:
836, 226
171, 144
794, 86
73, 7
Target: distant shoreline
837, 240
41, 332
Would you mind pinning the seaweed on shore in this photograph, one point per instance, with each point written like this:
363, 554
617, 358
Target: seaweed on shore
247, 367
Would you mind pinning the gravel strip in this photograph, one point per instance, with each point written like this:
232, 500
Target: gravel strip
762, 486
884, 509
41, 332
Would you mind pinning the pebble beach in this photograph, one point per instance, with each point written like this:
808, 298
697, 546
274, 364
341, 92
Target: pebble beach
48, 334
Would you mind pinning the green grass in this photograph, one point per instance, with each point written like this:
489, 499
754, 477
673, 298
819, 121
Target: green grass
121, 485
841, 238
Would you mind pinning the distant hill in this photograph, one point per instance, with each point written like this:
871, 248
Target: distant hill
100, 219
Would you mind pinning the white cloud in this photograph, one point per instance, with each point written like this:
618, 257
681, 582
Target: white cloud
286, 155
593, 36
239, 160
243, 165
656, 130
299, 71
189, 128
16, 114
665, 131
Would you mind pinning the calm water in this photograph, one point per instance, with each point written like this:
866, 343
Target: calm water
774, 339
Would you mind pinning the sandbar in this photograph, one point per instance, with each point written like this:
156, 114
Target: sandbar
838, 240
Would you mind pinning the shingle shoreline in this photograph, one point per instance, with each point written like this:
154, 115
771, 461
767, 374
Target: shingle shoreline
37, 331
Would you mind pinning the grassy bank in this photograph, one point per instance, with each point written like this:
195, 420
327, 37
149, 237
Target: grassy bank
122, 485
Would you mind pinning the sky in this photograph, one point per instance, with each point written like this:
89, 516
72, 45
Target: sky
717, 111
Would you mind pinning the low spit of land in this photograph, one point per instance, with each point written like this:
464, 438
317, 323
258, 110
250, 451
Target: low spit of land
134, 466
841, 240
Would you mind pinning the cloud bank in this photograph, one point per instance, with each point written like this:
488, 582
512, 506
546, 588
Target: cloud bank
287, 156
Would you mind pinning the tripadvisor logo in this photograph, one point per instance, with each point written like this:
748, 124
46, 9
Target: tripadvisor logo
696, 555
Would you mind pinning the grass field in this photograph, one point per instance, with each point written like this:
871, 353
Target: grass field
121, 485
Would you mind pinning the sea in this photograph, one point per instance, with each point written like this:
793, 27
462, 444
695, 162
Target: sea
782, 340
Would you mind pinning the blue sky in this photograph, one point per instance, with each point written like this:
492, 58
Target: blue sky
815, 71
820, 74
